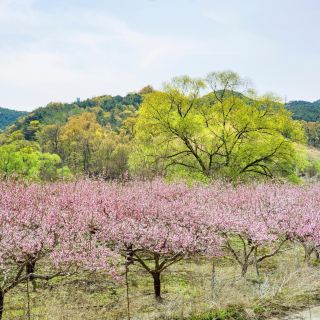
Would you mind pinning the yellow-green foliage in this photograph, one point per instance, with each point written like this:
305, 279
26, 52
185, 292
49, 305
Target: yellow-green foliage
23, 159
221, 134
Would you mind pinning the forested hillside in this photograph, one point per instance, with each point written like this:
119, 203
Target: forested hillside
173, 132
109, 110
181, 130
114, 110
64, 139
305, 110
8, 117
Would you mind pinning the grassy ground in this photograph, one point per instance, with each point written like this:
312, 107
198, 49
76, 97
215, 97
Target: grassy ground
287, 284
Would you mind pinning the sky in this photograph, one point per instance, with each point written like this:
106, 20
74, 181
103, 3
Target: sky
61, 50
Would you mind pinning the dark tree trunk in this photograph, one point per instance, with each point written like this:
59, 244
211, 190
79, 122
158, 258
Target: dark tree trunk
244, 268
30, 266
213, 275
157, 285
213, 278
1, 303
30, 269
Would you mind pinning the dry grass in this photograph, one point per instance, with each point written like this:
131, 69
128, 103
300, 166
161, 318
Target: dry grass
286, 284
313, 153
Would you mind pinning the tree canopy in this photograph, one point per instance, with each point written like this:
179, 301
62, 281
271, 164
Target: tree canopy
219, 134
215, 127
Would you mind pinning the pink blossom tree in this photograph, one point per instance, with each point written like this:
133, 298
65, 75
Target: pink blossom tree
248, 218
40, 222
88, 224
303, 223
158, 224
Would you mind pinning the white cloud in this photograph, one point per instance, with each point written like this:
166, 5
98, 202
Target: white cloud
31, 69
89, 52
68, 49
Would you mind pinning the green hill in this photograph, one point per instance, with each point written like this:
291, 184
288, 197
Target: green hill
109, 110
93, 135
8, 117
305, 110
114, 110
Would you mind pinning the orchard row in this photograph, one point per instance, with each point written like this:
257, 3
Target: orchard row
94, 225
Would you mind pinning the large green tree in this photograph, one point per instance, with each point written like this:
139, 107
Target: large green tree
226, 132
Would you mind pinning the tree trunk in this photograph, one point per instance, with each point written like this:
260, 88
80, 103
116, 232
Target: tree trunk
244, 268
213, 275
213, 278
1, 303
256, 263
157, 285
30, 268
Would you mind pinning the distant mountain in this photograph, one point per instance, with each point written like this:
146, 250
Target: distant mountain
8, 117
304, 110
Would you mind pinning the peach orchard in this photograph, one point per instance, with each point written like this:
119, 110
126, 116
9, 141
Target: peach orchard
98, 226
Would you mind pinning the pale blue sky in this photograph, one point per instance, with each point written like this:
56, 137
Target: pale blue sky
58, 50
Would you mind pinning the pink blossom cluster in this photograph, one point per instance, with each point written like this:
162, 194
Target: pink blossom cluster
90, 224
49, 222
266, 212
